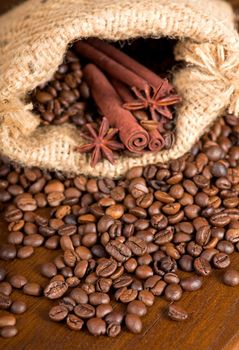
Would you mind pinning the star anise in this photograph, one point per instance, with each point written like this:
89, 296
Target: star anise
153, 100
101, 144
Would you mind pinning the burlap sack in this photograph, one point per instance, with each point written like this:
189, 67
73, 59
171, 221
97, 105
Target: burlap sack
35, 36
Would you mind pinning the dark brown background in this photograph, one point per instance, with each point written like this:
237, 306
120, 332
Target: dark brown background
213, 323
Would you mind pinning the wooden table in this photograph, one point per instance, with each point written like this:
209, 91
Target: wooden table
213, 323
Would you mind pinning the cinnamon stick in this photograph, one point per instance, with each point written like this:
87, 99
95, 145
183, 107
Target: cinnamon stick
133, 136
120, 57
110, 66
156, 142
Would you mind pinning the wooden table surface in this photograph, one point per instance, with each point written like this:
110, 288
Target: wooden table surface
213, 323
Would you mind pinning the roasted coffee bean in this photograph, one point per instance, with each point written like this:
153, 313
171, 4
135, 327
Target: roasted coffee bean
68, 302
48, 270
118, 250
177, 313
146, 297
74, 322
231, 278
3, 274
221, 260
32, 288
103, 284
202, 266
190, 284
122, 281
136, 245
5, 288
103, 310
8, 332
126, 295
55, 289
8, 252
171, 277
98, 298
115, 316
106, 268
25, 252
58, 313
220, 219
96, 326
203, 235
173, 292
143, 272
225, 247
137, 307
18, 307
84, 310
7, 320
133, 323
79, 295
113, 329
164, 236
5, 301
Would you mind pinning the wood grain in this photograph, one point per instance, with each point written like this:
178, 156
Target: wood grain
213, 323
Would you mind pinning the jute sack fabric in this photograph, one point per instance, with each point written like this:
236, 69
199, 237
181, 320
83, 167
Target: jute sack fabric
34, 38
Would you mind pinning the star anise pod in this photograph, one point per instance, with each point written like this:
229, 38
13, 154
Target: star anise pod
101, 144
152, 99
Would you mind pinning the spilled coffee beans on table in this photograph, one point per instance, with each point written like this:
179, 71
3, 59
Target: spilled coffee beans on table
123, 241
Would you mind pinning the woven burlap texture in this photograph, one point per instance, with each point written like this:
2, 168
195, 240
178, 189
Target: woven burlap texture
34, 38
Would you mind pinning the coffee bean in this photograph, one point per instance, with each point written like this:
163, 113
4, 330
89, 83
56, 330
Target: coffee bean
221, 260
137, 307
5, 301
202, 266
32, 288
48, 270
58, 313
203, 235
118, 250
25, 252
122, 281
5, 288
8, 332
177, 313
79, 295
55, 289
126, 295
231, 278
164, 236
74, 322
7, 321
106, 268
220, 219
8, 252
18, 307
84, 310
137, 246
173, 292
96, 326
191, 284
98, 298
3, 274
133, 323
113, 329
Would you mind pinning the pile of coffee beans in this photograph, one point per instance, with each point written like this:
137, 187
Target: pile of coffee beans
125, 241
8, 322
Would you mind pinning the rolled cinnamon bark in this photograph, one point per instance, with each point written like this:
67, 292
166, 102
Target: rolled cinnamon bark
120, 57
133, 136
110, 66
156, 142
